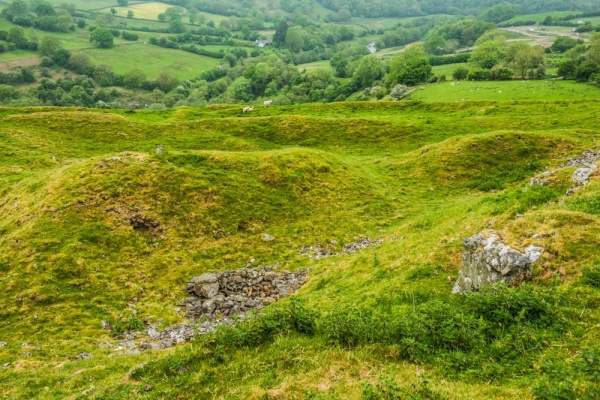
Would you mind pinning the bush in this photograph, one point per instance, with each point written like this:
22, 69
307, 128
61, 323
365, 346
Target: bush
591, 275
461, 73
132, 324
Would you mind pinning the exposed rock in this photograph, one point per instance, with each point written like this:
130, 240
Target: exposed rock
581, 176
83, 356
488, 260
159, 149
2, 344
266, 237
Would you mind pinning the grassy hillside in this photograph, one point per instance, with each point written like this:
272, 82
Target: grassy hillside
421, 177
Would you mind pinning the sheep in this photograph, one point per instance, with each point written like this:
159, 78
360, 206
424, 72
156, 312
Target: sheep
247, 109
267, 103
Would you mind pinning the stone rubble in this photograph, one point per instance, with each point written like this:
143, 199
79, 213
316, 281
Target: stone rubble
488, 260
223, 294
586, 166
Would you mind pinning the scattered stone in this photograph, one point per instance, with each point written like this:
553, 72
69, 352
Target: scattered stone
83, 356
329, 250
106, 325
148, 388
140, 222
2, 344
488, 260
266, 237
360, 244
587, 159
6, 365
581, 176
586, 164
159, 149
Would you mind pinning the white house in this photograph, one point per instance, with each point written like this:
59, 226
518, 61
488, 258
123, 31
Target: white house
263, 43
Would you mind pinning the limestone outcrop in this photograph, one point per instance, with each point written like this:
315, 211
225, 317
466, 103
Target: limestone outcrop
488, 260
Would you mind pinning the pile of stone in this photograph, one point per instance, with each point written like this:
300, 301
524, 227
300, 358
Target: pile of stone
224, 294
488, 260
586, 166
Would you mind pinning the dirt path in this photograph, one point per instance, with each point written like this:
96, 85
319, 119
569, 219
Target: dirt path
544, 40
382, 53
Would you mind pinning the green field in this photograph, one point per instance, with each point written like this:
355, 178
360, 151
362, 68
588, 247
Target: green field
507, 91
448, 69
419, 176
324, 64
152, 60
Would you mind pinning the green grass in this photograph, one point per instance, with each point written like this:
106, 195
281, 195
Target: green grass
506, 91
324, 64
421, 176
152, 60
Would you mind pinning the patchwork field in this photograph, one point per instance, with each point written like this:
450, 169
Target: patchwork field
152, 59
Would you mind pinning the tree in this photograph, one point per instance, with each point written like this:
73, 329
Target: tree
523, 57
369, 70
563, 43
16, 35
294, 38
123, 3
501, 12
488, 54
102, 37
166, 81
18, 7
103, 20
129, 14
280, 33
176, 26
43, 9
410, 68
49, 45
80, 62
113, 11
339, 62
134, 79
399, 91
162, 17
460, 73
81, 23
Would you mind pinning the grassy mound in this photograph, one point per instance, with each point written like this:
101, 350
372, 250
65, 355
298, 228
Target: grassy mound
95, 224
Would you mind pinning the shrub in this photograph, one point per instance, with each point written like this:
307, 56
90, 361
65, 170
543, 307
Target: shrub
591, 275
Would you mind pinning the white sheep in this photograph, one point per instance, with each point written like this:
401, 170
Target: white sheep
247, 109
267, 103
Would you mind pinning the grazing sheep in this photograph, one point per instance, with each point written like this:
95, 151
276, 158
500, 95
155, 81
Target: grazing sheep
247, 109
267, 103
